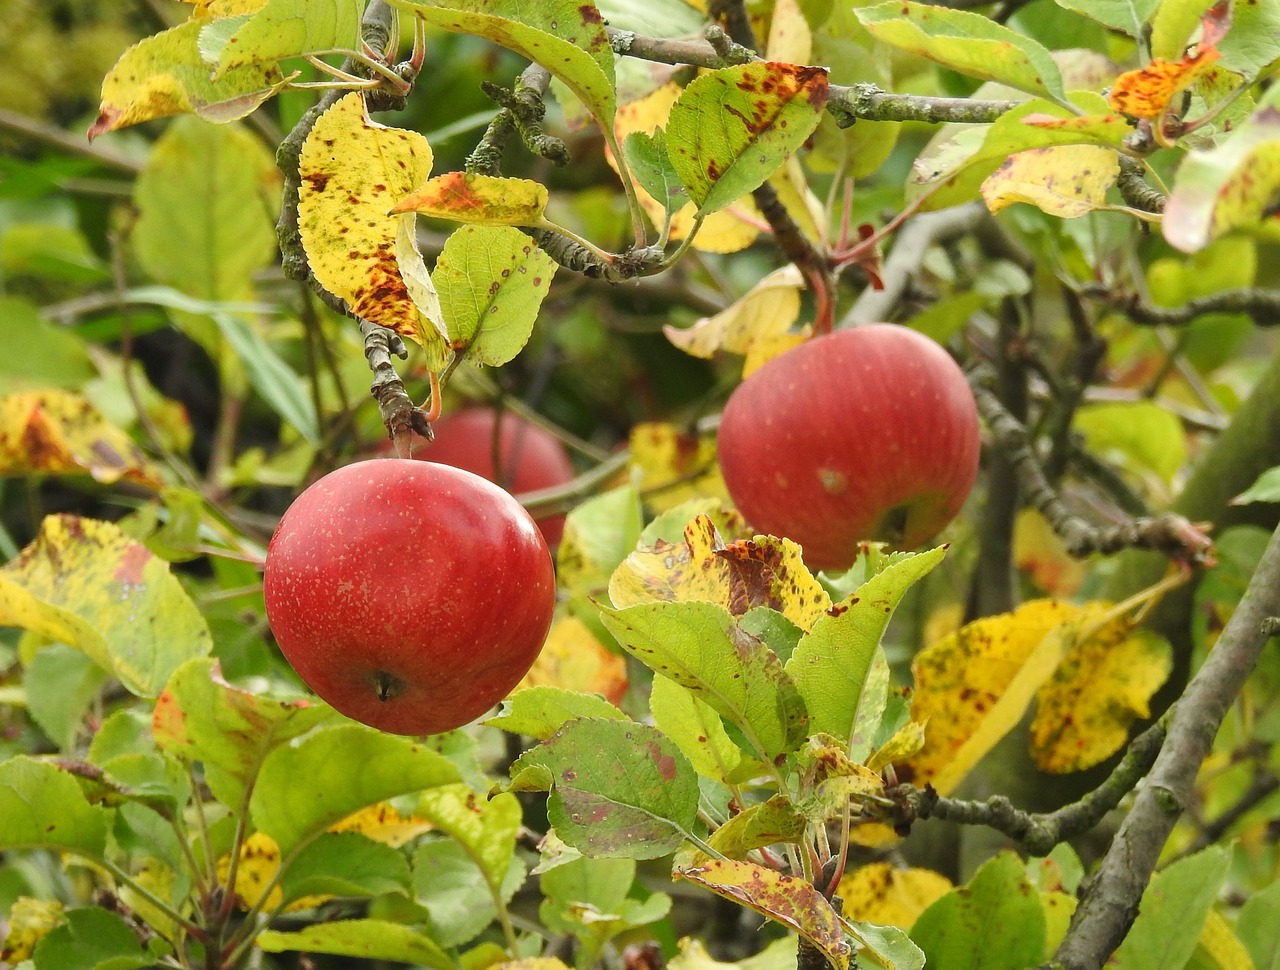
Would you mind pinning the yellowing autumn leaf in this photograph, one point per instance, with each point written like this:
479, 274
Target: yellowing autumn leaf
165, 75
756, 326
764, 571
572, 658
972, 687
1147, 91
353, 171
1040, 552
29, 921
60, 433
1065, 180
1103, 684
790, 38
481, 200
674, 465
727, 231
255, 873
383, 823
883, 894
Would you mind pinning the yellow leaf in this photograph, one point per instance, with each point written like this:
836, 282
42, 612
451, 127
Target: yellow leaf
1220, 947
572, 658
764, 571
973, 686
212, 9
883, 894
788, 900
60, 433
755, 326
258, 864
29, 920
1065, 181
726, 231
1102, 685
353, 170
790, 39
165, 75
674, 465
1039, 551
383, 823
905, 744
480, 200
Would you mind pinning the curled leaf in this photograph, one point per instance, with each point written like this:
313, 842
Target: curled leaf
481, 200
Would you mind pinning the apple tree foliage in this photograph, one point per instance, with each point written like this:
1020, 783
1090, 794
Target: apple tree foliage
1050, 740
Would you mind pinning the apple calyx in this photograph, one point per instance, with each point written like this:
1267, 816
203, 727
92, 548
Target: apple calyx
387, 685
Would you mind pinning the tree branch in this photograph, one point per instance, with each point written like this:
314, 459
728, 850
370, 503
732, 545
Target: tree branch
1039, 833
1169, 533
1109, 902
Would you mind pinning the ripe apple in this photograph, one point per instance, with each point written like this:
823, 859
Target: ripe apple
409, 595
866, 433
530, 457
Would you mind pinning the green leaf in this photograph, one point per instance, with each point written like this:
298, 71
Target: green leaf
1253, 42
1172, 912
485, 829
143, 831
373, 939
833, 664
733, 128
281, 29
566, 37
1265, 489
698, 731
200, 717
60, 683
270, 376
540, 711
1230, 186
970, 43
305, 788
1126, 15
651, 166
206, 204
958, 930
459, 899
618, 789
86, 584
1139, 435
91, 939
892, 945
345, 864
1256, 927
491, 281
701, 646
43, 807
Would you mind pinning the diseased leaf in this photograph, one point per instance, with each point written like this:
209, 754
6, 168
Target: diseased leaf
1146, 91
352, 171
566, 37
733, 128
1230, 186
492, 281
674, 465
199, 717
485, 828
739, 577
882, 893
86, 584
756, 326
701, 646
970, 43
575, 660
773, 822
165, 75
699, 732
480, 200
618, 789
833, 664
55, 432
790, 901
1067, 181
1102, 685
973, 686
829, 781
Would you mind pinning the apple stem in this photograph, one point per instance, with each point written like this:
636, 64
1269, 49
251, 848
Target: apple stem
387, 685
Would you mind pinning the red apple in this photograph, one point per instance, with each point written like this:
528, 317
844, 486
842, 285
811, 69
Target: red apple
409, 595
866, 433
530, 457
